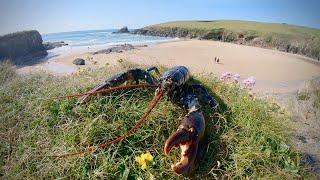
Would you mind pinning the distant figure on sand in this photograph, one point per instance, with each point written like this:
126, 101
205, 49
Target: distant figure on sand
216, 60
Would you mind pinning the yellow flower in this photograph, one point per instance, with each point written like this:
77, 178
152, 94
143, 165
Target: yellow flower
147, 156
143, 159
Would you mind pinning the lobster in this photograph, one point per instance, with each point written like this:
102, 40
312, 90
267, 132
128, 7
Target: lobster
190, 135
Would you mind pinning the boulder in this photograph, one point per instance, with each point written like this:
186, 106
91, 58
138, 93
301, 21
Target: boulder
123, 30
117, 49
52, 45
79, 61
21, 46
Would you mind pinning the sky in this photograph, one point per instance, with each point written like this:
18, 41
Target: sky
49, 16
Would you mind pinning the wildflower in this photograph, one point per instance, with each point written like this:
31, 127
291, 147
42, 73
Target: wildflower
225, 76
147, 156
252, 80
236, 77
249, 82
222, 78
143, 159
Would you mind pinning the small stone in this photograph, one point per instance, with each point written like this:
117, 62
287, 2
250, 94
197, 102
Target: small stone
79, 61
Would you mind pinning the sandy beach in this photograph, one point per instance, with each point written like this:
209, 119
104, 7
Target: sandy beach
275, 71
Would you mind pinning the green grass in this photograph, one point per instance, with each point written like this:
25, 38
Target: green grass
242, 26
284, 37
248, 137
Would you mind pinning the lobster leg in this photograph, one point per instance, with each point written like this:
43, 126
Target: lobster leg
203, 95
133, 75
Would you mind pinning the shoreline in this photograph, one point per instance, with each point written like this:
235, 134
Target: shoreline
275, 71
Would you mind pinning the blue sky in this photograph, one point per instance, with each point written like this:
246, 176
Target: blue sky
71, 15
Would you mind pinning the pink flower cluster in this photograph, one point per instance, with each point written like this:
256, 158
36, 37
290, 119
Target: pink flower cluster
226, 76
236, 77
249, 82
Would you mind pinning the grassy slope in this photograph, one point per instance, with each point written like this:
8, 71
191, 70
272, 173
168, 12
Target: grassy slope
308, 39
240, 26
248, 138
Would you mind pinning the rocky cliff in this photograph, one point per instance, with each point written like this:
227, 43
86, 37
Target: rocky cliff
122, 30
304, 46
21, 46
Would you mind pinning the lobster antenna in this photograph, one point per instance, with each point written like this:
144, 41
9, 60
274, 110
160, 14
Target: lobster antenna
143, 118
109, 90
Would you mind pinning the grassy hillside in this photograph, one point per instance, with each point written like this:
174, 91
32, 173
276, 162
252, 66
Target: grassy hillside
284, 37
248, 137
241, 26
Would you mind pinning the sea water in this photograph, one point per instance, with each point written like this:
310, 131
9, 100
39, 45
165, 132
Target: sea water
99, 37
89, 41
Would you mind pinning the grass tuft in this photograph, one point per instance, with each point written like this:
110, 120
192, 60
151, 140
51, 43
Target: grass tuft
248, 136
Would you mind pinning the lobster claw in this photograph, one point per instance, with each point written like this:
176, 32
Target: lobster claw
188, 136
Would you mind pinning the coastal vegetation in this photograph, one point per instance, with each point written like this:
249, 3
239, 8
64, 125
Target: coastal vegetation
248, 136
283, 37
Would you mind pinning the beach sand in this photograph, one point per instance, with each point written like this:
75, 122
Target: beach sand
275, 71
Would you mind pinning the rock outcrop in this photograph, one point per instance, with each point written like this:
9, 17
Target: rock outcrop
164, 32
123, 30
79, 61
117, 49
20, 46
52, 45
